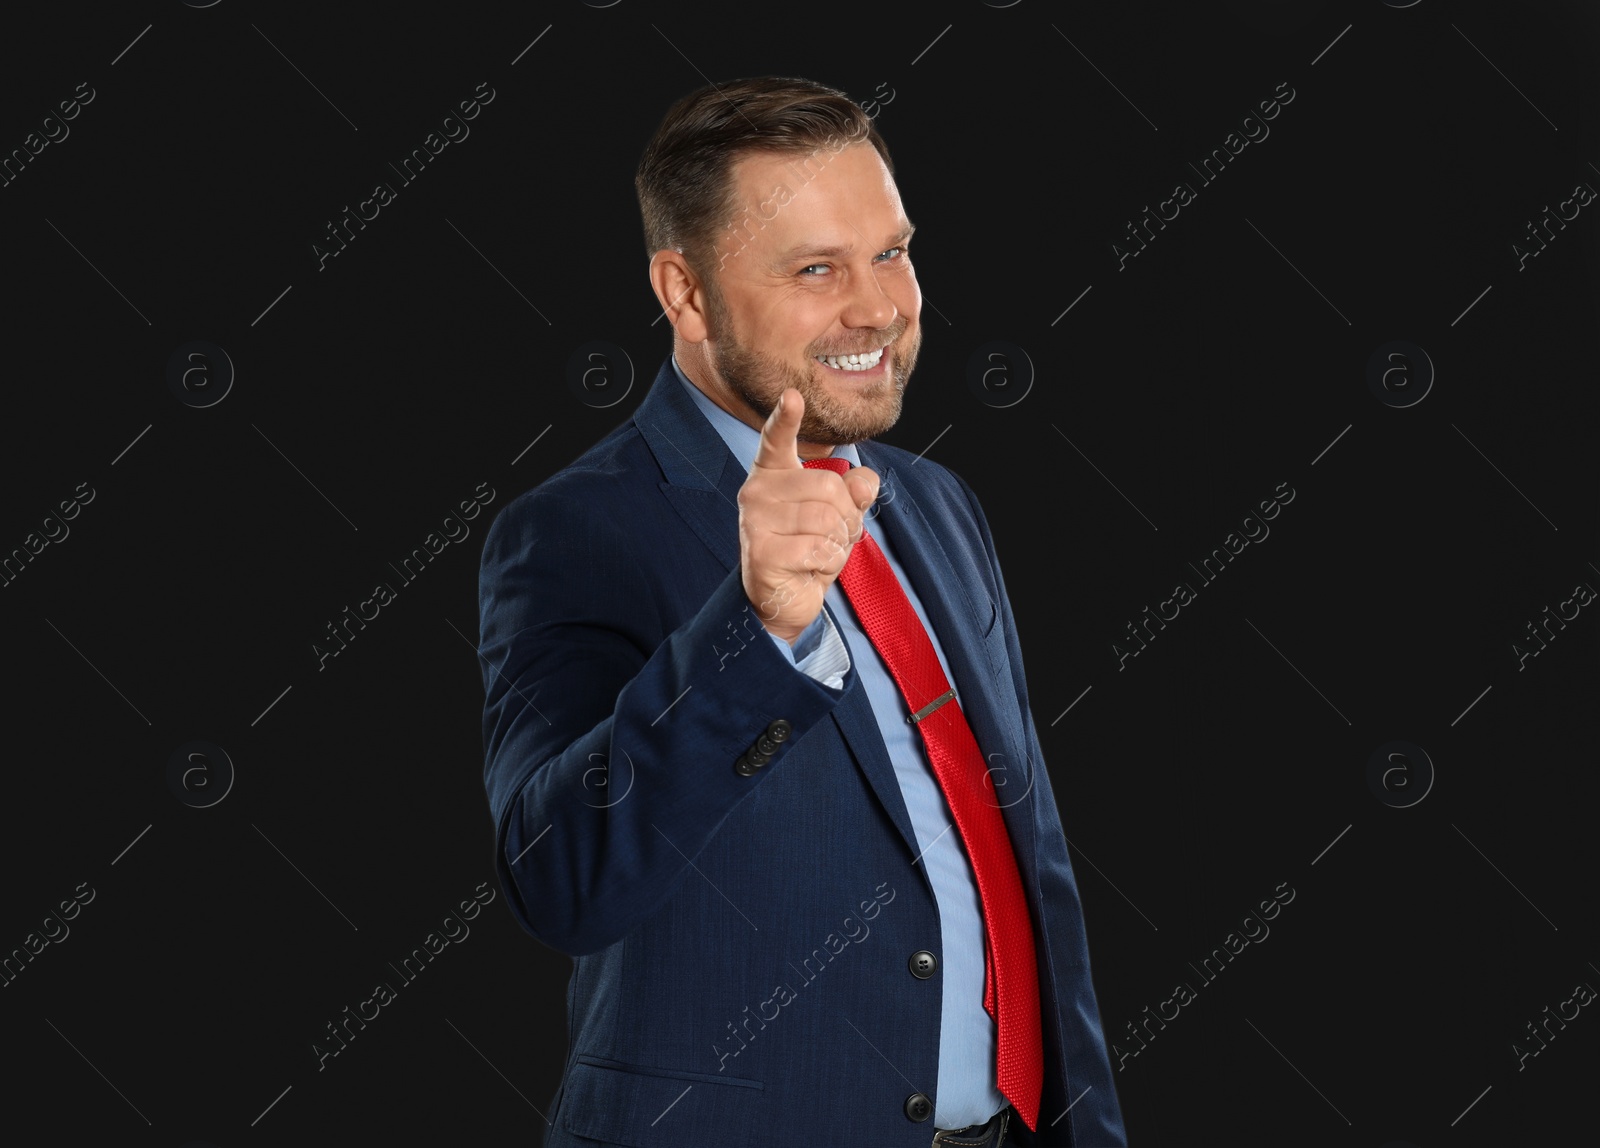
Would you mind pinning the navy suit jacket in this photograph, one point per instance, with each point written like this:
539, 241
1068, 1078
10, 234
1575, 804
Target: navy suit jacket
741, 939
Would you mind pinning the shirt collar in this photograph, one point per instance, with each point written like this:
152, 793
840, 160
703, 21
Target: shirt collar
743, 440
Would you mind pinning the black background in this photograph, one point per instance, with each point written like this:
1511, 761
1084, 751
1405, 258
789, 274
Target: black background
422, 361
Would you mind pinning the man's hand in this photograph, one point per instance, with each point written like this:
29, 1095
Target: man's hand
796, 526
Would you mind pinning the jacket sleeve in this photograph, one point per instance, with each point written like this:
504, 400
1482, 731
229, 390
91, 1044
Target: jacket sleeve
610, 743
1095, 1113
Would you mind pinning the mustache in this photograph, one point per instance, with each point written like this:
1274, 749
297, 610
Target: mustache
893, 338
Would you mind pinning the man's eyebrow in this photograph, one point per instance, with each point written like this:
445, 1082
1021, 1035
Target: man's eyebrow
808, 251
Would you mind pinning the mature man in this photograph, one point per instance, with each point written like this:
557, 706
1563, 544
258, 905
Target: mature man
758, 740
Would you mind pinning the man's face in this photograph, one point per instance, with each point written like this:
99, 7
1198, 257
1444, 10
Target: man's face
818, 266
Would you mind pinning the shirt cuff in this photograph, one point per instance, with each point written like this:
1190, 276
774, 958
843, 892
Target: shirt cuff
819, 652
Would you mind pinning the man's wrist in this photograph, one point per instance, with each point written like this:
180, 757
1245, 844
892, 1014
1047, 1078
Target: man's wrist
803, 641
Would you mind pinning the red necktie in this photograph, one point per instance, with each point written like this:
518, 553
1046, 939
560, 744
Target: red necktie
1011, 975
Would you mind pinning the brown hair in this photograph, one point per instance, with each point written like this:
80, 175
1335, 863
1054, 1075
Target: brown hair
687, 195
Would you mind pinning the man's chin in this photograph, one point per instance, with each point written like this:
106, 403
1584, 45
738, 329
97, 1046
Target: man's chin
841, 428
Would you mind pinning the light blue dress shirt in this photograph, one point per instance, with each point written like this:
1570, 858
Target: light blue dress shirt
966, 1092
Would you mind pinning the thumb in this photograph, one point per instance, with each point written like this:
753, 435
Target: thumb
862, 484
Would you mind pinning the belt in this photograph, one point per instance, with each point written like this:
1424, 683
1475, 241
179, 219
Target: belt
990, 1135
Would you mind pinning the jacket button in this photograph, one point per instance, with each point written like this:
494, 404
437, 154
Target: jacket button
779, 729
918, 1107
756, 758
743, 768
922, 964
766, 745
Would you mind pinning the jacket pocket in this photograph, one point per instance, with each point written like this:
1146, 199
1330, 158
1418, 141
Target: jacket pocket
670, 1074
646, 1107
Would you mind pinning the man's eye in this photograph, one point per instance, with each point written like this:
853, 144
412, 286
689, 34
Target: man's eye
889, 254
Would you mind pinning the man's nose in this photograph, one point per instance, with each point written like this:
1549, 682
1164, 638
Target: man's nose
868, 304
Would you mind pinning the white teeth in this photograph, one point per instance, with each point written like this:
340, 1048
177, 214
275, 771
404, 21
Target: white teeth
852, 362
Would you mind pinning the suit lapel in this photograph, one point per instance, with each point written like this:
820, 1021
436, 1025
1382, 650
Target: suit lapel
959, 614
702, 478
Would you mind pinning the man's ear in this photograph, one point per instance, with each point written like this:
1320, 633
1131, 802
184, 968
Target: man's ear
680, 293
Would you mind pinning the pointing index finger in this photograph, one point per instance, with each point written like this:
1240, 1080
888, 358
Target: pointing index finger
779, 449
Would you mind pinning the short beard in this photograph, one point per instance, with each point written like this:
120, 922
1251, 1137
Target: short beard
758, 380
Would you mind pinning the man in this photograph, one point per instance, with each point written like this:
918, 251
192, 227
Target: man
758, 740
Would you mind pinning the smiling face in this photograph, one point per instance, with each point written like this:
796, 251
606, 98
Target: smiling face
818, 265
